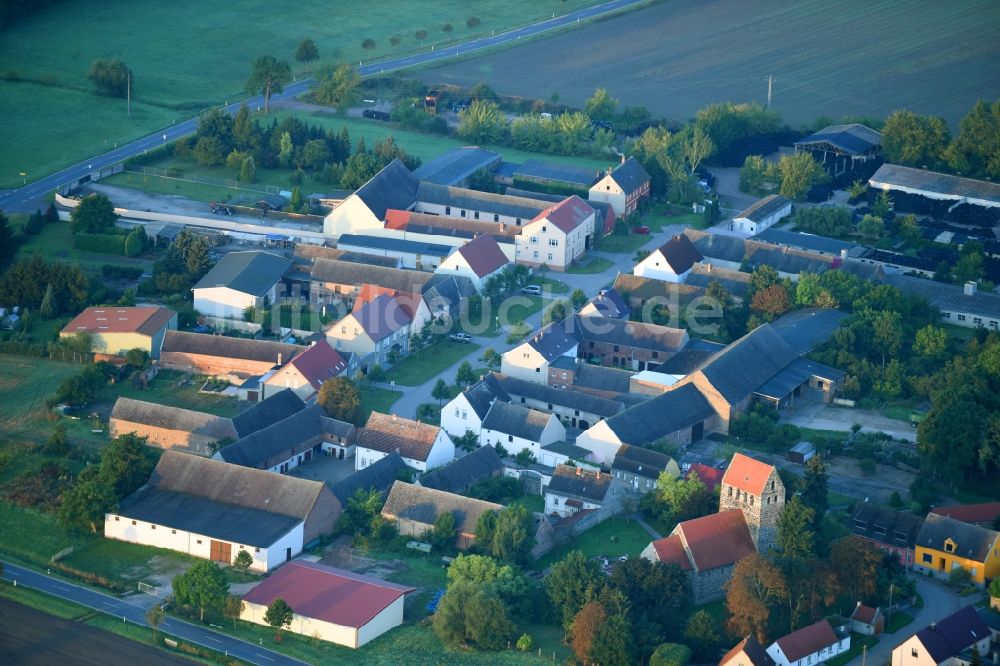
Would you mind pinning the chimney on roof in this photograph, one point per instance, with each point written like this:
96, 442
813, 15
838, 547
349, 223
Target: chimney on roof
579, 471
970, 288
394, 416
598, 475
843, 254
279, 358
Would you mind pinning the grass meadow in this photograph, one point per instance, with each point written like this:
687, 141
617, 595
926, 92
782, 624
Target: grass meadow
188, 55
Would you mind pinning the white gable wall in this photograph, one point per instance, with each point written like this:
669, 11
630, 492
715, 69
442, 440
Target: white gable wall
350, 217
601, 441
657, 267
458, 416
227, 303
524, 362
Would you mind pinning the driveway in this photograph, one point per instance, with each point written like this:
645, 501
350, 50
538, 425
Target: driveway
940, 601
820, 416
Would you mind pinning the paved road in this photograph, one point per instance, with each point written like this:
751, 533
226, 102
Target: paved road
28, 197
136, 614
414, 396
940, 601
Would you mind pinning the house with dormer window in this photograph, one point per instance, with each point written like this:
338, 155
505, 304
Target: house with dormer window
945, 544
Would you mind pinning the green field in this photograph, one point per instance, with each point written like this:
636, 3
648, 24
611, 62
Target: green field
630, 539
56, 242
374, 399
25, 384
187, 56
167, 389
429, 362
418, 144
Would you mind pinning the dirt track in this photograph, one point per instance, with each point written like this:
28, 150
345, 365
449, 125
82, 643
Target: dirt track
28, 636
827, 58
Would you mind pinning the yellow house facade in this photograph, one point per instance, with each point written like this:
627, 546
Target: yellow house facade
945, 544
115, 330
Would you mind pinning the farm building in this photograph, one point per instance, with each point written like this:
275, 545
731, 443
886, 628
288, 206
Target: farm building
624, 187
965, 305
415, 510
982, 515
416, 255
169, 427
816, 643
606, 216
801, 452
842, 149
240, 280
334, 281
462, 473
281, 446
570, 179
333, 605
219, 355
810, 243
275, 408
670, 262
762, 215
891, 531
212, 510
940, 195
557, 236
575, 489
608, 303
456, 166
466, 411
114, 330
422, 446
478, 260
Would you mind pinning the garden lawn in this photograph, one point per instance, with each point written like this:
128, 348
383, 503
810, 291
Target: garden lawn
594, 265
125, 562
25, 384
514, 308
534, 503
620, 244
429, 362
657, 220
33, 536
374, 399
554, 286
172, 81
631, 540
858, 641
898, 621
56, 242
166, 389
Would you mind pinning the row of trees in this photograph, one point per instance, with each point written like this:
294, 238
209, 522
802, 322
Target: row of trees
791, 176
917, 140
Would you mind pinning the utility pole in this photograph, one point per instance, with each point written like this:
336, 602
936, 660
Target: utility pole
891, 585
128, 79
864, 654
770, 88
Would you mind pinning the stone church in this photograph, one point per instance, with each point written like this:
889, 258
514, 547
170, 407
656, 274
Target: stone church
708, 548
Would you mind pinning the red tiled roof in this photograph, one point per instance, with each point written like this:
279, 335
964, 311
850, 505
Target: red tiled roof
369, 292
319, 363
413, 439
324, 593
710, 476
970, 513
671, 551
864, 614
144, 320
717, 539
568, 214
807, 640
396, 219
483, 255
747, 474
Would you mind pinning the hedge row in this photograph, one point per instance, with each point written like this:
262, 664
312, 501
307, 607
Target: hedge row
105, 243
119, 271
23, 348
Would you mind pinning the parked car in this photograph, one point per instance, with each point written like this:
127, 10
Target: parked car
460, 337
643, 230
532, 290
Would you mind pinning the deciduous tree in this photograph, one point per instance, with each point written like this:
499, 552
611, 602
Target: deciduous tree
465, 375
482, 122
601, 105
111, 77
279, 615
307, 52
756, 586
95, 215
440, 391
203, 586
586, 624
571, 582
912, 139
268, 75
856, 564
799, 173
341, 400
338, 86
243, 561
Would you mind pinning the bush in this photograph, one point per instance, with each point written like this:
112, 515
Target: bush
104, 243
122, 272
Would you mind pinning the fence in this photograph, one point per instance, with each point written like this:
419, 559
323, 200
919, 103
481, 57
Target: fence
146, 588
175, 173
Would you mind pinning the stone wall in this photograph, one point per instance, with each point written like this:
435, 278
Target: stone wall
212, 365
710, 585
163, 438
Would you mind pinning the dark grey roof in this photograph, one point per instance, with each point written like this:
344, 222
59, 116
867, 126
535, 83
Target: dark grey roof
737, 250
690, 358
628, 333
276, 408
394, 187
277, 442
795, 375
584, 402
516, 420
450, 289
501, 204
660, 416
641, 461
639, 290
702, 275
896, 528
808, 328
630, 176
481, 395
171, 418
224, 346
552, 341
560, 173
764, 208
275, 201
567, 449
343, 429
853, 139
347, 272
803, 241
602, 378
609, 303
252, 272
541, 196
936, 185
464, 472
457, 164
949, 637
380, 475
746, 364
218, 520
394, 245
580, 482
424, 505
971, 541
948, 297
680, 254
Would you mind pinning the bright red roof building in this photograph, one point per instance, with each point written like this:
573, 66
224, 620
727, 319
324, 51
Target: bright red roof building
747, 474
710, 476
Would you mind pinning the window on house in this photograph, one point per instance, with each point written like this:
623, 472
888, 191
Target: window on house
534, 255
133, 522
456, 411
564, 375
465, 414
463, 212
554, 242
538, 369
496, 218
961, 317
152, 527
616, 347
517, 222
447, 210
913, 652
256, 550
343, 329
550, 406
510, 438
116, 519
730, 491
950, 547
199, 542
534, 240
977, 321
946, 315
173, 531
550, 256
751, 500
544, 228
927, 558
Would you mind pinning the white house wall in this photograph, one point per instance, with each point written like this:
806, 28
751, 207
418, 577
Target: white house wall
827, 653
350, 217
442, 451
306, 626
224, 302
656, 267
458, 416
121, 528
389, 618
601, 441
523, 362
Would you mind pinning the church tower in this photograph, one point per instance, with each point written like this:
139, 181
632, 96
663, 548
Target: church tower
755, 489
